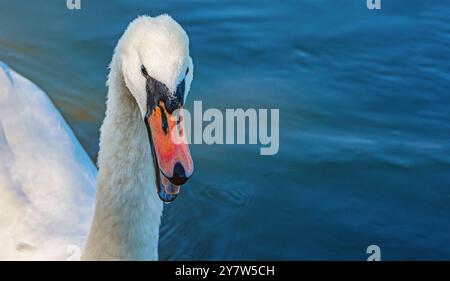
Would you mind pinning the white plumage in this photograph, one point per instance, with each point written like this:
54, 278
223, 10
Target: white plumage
47, 181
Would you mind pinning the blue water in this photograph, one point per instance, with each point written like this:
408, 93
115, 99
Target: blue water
364, 119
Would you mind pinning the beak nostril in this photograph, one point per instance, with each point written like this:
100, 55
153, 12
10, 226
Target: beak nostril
179, 175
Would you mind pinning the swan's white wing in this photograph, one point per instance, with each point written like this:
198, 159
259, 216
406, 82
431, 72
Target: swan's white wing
47, 181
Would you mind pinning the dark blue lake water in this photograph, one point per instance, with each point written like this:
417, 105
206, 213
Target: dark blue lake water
364, 119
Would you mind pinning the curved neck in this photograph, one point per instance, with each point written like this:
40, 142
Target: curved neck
128, 210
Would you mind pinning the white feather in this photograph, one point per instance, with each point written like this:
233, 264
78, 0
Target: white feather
47, 181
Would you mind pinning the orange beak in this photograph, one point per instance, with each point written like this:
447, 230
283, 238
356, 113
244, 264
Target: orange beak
172, 159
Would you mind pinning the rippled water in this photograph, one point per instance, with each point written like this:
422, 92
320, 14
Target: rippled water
364, 114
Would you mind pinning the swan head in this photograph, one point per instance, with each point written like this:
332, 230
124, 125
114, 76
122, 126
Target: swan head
158, 70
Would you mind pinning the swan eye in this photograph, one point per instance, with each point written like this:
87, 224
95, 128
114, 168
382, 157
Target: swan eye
187, 71
144, 71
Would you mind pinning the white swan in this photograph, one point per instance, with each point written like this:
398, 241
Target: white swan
47, 181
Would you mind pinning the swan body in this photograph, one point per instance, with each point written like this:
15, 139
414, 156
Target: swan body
49, 186
47, 181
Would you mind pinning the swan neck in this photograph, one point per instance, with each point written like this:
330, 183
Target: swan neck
128, 211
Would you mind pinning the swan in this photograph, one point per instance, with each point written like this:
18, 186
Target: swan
53, 200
